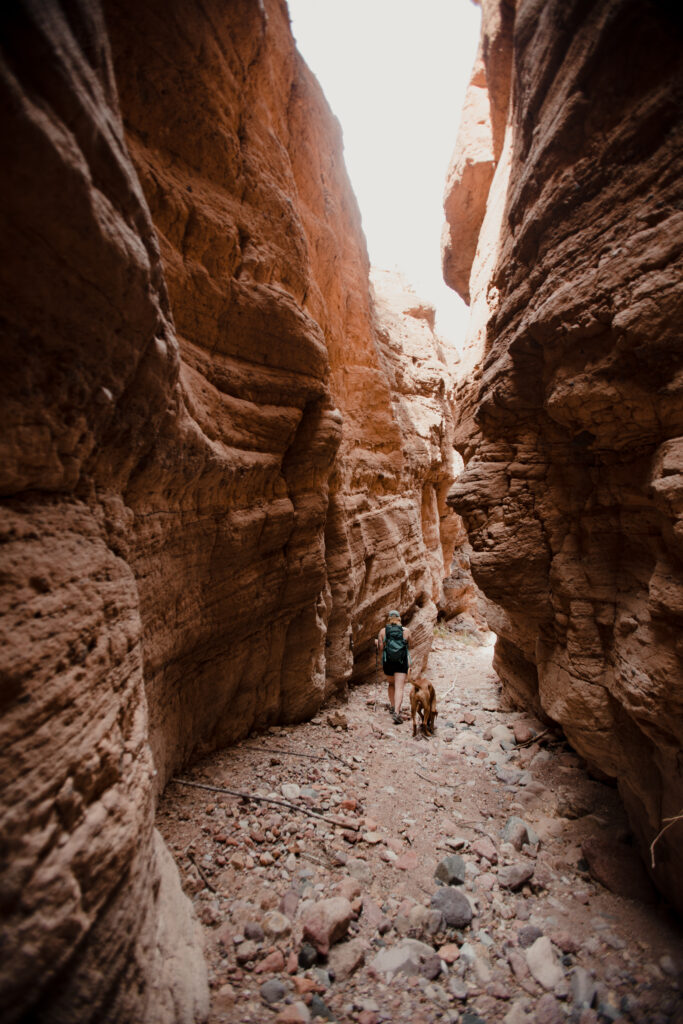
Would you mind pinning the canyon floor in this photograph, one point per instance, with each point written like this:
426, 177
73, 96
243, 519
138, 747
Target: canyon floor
528, 833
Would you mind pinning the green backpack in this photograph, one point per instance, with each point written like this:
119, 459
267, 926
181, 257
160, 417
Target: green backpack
395, 647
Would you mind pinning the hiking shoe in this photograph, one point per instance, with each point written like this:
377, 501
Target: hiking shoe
397, 720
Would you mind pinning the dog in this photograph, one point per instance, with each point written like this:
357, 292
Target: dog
423, 703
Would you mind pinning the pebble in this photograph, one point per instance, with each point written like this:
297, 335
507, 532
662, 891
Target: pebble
582, 988
246, 951
404, 958
548, 1011
273, 963
450, 870
346, 958
327, 922
513, 876
273, 991
484, 848
527, 935
290, 791
543, 963
276, 925
453, 905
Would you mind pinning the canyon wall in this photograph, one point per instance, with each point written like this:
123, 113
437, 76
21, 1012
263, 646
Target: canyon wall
223, 461
571, 419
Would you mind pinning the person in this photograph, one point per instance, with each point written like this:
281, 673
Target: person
393, 644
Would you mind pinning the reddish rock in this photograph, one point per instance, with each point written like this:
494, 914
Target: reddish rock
407, 861
327, 922
570, 402
272, 963
523, 732
484, 848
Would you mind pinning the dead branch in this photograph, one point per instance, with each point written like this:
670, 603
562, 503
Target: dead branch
201, 874
534, 739
670, 822
269, 800
444, 695
436, 782
331, 753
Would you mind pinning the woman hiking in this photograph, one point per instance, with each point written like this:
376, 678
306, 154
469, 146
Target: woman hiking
393, 643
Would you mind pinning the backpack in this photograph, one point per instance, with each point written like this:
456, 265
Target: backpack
395, 647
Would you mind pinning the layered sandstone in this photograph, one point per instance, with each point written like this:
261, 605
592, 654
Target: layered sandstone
572, 420
220, 465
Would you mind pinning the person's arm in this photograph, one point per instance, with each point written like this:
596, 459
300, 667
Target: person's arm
380, 641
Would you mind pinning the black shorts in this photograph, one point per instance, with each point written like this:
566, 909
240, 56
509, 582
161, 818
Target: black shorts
391, 667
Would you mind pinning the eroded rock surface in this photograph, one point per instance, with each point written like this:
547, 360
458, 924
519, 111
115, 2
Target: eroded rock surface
572, 422
219, 466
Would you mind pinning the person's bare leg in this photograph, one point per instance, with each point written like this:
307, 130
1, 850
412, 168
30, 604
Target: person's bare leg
390, 692
400, 682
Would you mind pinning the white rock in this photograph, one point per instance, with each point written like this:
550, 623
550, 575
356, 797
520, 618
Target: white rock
290, 790
543, 963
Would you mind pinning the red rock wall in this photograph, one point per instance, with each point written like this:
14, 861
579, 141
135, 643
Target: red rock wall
219, 466
90, 364
572, 419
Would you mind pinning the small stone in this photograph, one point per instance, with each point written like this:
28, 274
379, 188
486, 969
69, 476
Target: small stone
450, 870
276, 925
297, 1013
272, 991
582, 988
449, 953
543, 964
289, 903
548, 1011
523, 732
253, 931
349, 888
359, 869
519, 833
431, 968
453, 905
407, 861
224, 999
484, 848
338, 721
405, 958
513, 876
565, 941
527, 935
290, 791
458, 989
327, 922
246, 951
516, 1014
347, 958
307, 956
271, 964
319, 1008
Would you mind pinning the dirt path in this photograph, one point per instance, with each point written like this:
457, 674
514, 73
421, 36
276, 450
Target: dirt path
546, 943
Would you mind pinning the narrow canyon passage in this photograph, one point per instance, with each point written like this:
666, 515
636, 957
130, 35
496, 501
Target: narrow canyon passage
228, 446
512, 821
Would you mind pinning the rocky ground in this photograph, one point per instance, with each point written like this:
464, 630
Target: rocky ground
480, 875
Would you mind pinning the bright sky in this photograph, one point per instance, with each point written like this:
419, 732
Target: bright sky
395, 74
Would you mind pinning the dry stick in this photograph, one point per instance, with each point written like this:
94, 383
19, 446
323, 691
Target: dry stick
444, 695
671, 821
331, 753
435, 782
203, 877
534, 739
268, 800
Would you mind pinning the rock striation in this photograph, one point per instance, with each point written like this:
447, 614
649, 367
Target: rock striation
224, 457
571, 422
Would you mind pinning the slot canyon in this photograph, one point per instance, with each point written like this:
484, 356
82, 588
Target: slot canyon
229, 445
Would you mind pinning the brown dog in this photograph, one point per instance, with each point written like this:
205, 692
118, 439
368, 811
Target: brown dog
423, 702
